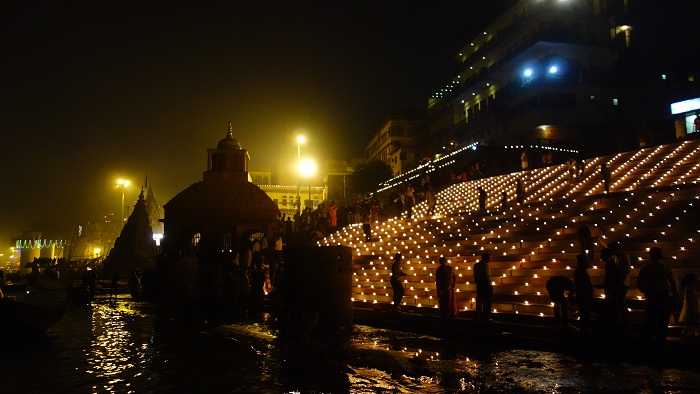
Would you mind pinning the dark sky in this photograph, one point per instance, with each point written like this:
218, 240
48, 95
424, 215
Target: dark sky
96, 90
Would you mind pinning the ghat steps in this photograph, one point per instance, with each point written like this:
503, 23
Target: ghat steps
654, 200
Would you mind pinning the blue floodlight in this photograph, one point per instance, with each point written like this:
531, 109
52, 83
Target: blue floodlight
528, 72
553, 69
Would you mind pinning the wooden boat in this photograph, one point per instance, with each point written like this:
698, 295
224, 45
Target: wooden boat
33, 308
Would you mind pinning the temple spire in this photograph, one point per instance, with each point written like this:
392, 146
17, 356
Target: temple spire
229, 134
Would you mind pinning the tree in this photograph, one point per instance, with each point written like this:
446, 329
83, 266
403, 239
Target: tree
367, 176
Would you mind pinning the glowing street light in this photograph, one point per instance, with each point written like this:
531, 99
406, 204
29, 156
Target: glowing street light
307, 168
301, 140
528, 72
122, 184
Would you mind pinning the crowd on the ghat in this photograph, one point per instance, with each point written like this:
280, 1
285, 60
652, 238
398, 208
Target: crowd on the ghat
665, 299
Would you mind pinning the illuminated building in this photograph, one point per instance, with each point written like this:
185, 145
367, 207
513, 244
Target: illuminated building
212, 215
686, 115
584, 74
394, 144
33, 245
284, 196
260, 177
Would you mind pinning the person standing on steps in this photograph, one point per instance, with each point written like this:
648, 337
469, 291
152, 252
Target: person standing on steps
504, 201
584, 292
519, 191
605, 175
367, 227
656, 281
396, 284
484, 288
482, 199
445, 286
558, 287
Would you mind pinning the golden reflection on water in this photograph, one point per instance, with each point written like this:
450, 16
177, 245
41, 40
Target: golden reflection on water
114, 357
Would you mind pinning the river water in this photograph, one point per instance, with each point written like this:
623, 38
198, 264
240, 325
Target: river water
123, 347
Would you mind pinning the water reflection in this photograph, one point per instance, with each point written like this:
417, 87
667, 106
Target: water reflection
115, 355
125, 348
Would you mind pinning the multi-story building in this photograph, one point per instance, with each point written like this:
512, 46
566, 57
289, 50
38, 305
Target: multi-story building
563, 73
285, 196
394, 144
260, 177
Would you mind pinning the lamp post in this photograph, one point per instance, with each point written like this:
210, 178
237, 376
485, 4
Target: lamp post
122, 184
301, 139
307, 169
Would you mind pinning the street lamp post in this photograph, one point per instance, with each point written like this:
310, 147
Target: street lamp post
301, 139
122, 184
307, 169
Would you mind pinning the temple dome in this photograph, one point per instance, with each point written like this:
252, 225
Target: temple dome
240, 202
228, 142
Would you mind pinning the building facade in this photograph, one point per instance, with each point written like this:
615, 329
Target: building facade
574, 74
285, 196
394, 144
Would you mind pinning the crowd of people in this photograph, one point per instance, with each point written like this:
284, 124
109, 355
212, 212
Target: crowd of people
662, 297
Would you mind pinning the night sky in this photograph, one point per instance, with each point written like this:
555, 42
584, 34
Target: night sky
93, 91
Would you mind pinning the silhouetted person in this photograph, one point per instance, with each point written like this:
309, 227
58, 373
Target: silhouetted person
482, 199
396, 284
2, 284
558, 287
584, 292
519, 191
257, 281
367, 228
605, 175
616, 272
115, 283
410, 199
504, 201
585, 240
89, 279
689, 312
484, 288
445, 286
656, 282
333, 215
430, 199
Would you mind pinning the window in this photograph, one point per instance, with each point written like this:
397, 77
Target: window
690, 124
615, 102
196, 238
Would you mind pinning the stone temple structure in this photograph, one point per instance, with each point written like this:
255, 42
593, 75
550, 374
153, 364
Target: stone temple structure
134, 249
212, 217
